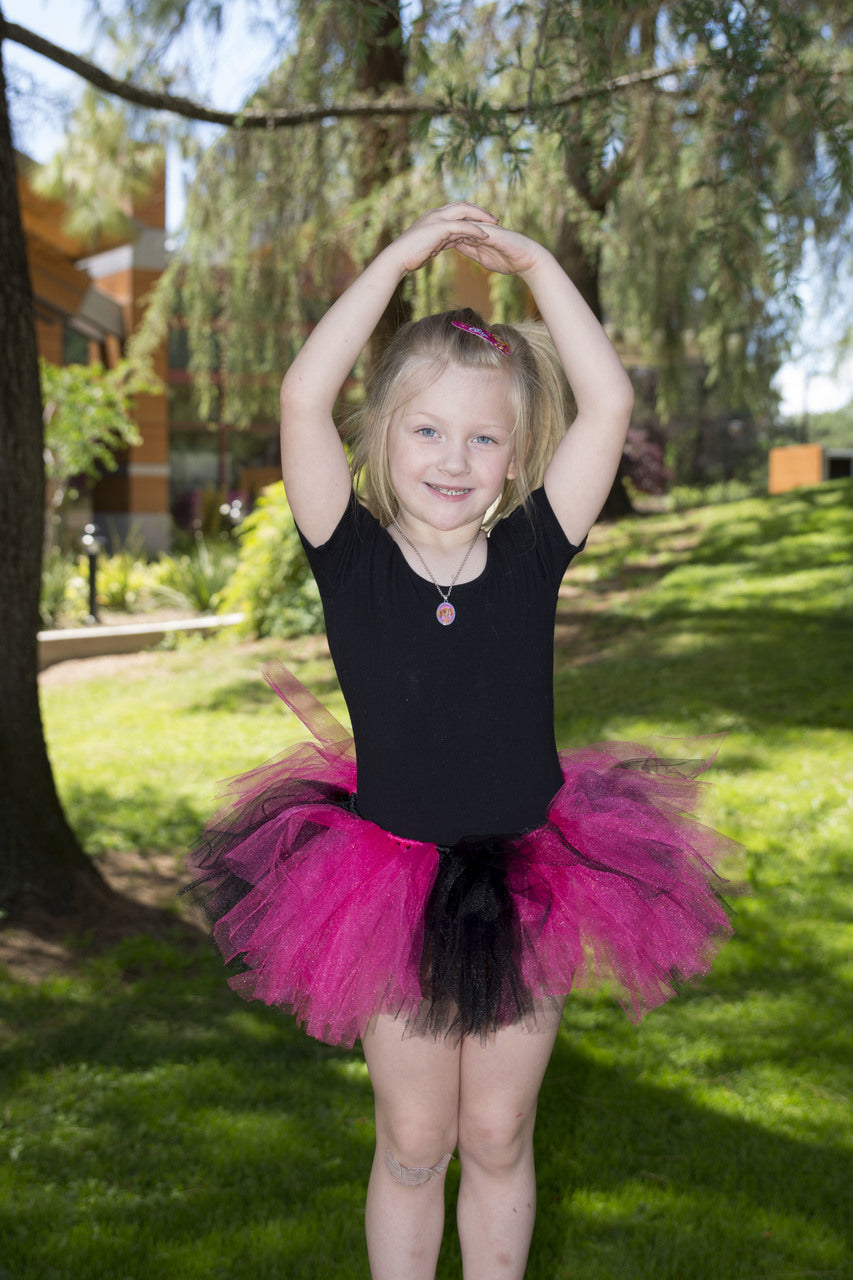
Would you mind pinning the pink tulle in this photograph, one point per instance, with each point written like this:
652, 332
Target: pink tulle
616, 886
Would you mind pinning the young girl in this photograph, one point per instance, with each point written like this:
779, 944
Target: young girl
442, 907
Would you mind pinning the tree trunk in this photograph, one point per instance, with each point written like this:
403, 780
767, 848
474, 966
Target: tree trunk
384, 141
582, 266
42, 867
583, 269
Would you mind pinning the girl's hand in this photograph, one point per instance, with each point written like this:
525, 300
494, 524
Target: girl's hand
507, 252
459, 225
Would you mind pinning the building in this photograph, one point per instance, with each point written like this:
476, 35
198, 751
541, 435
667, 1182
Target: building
802, 464
87, 303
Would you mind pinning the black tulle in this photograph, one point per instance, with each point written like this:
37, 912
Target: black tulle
217, 889
470, 962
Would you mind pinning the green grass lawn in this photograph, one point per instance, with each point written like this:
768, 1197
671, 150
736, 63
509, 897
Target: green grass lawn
155, 1126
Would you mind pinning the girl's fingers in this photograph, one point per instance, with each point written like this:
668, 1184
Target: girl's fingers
470, 207
461, 210
449, 236
458, 225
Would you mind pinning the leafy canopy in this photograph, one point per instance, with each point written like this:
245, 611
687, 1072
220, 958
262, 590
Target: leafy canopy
87, 417
677, 157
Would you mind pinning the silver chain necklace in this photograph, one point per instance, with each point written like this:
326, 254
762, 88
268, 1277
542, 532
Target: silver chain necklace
445, 611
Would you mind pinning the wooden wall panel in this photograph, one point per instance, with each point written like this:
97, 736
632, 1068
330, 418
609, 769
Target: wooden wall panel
793, 465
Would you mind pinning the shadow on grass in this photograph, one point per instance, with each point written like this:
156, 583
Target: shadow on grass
707, 646
140, 817
184, 1135
684, 1192
791, 534
751, 666
178, 1131
238, 695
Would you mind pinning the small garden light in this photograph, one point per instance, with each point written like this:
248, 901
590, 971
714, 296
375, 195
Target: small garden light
93, 543
232, 512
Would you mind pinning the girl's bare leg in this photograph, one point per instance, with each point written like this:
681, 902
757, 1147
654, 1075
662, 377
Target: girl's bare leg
500, 1080
416, 1086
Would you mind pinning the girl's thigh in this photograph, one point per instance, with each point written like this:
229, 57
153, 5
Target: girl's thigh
411, 1075
500, 1077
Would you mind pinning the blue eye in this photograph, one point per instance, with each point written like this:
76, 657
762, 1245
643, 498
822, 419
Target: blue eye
484, 440
426, 432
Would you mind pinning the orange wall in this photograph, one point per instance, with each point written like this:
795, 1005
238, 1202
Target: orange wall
125, 491
51, 340
793, 465
140, 486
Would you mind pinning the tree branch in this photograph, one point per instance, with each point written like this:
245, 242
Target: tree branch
540, 41
252, 119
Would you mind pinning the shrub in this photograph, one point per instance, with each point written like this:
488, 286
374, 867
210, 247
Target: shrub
273, 585
643, 463
56, 575
122, 580
198, 580
682, 497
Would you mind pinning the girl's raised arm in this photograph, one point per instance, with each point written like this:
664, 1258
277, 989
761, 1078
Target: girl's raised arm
581, 472
583, 468
313, 462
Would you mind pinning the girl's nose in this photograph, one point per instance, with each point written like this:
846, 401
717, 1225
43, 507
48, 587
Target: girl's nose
454, 460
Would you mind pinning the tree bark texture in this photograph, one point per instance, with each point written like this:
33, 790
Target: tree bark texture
581, 264
583, 267
384, 141
42, 867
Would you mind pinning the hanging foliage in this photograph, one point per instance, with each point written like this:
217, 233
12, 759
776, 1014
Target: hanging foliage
676, 158
87, 421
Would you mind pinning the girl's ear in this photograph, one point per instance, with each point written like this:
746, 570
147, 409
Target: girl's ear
512, 471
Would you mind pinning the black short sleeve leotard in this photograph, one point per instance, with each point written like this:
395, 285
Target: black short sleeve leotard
453, 725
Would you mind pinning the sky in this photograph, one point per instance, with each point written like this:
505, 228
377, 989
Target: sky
809, 384
39, 123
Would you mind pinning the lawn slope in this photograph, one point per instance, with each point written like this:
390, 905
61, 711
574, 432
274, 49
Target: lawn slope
154, 1126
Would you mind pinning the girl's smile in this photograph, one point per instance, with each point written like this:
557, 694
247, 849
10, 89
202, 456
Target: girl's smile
450, 493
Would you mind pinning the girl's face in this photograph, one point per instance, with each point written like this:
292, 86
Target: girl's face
450, 449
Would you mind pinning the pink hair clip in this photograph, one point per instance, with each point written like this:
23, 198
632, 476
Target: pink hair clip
503, 347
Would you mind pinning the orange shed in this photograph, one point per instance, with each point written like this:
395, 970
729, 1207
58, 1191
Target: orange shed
793, 465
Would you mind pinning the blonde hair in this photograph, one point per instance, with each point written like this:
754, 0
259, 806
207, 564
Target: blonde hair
538, 390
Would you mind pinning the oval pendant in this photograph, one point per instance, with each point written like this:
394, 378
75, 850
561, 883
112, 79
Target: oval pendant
445, 613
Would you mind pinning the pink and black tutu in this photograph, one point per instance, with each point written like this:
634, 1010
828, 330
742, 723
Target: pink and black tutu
335, 920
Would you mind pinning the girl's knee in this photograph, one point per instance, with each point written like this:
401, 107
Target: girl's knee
416, 1149
497, 1143
415, 1175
